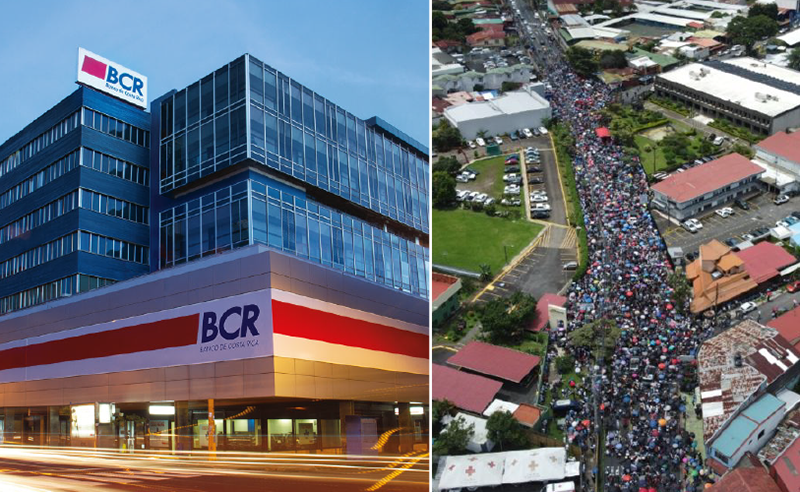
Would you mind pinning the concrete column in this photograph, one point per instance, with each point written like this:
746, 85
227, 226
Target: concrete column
212, 431
406, 424
183, 429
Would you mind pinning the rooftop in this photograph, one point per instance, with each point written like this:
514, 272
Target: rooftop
765, 355
750, 92
441, 283
709, 291
543, 310
791, 38
509, 103
787, 465
527, 415
466, 391
784, 144
765, 260
479, 436
500, 362
738, 432
755, 479
788, 325
708, 177
784, 436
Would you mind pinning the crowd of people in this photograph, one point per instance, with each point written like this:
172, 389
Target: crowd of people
635, 392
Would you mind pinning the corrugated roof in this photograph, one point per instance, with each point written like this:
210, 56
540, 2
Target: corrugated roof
492, 360
787, 465
788, 325
706, 178
734, 435
764, 261
746, 480
763, 408
543, 310
784, 144
466, 391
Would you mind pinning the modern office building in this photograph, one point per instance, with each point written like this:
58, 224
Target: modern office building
287, 304
74, 200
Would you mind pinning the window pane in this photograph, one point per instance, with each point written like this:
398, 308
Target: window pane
270, 90
193, 103
256, 82
238, 127
272, 133
207, 141
180, 110
207, 96
256, 127
193, 148
221, 88
221, 129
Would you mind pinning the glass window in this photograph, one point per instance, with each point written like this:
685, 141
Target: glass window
297, 146
322, 160
209, 231
221, 88
193, 149
344, 170
272, 133
180, 110
259, 221
286, 139
166, 118
301, 234
341, 128
308, 108
270, 90
256, 82
238, 127
207, 141
193, 103
257, 127
360, 136
351, 133
319, 113
327, 246
223, 227
311, 155
283, 95
297, 107
221, 129
207, 96
180, 154
353, 165
313, 238
274, 230
238, 82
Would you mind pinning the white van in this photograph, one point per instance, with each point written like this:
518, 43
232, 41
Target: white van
561, 487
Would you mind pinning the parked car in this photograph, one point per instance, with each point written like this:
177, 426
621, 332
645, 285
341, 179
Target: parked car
472, 144
780, 200
539, 198
534, 169
511, 169
543, 130
731, 242
741, 204
570, 265
689, 226
794, 286
535, 180
498, 140
462, 179
527, 132
747, 307
723, 212
540, 214
480, 142
696, 223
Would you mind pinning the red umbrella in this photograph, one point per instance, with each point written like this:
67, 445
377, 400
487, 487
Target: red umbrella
629, 293
586, 423
669, 306
662, 366
626, 478
572, 384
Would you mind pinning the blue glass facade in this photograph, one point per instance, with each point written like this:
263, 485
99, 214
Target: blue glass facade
74, 200
298, 172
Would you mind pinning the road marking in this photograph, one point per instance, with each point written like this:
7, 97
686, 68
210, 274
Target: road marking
560, 182
516, 261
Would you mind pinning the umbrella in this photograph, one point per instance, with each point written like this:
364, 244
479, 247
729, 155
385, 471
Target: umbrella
572, 384
626, 478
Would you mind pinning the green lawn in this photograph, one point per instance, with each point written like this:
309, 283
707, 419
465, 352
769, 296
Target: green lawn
491, 170
647, 157
465, 239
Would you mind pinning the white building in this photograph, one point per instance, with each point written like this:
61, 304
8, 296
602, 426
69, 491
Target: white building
694, 51
444, 64
779, 155
761, 97
491, 80
511, 111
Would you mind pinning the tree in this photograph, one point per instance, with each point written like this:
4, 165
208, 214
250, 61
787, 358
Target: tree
565, 364
440, 5
747, 30
506, 431
794, 58
441, 408
766, 9
681, 290
444, 190
509, 86
446, 137
591, 336
613, 59
486, 272
454, 438
717, 15
582, 61
505, 321
449, 165
743, 150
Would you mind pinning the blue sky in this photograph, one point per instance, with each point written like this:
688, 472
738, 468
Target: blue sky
369, 56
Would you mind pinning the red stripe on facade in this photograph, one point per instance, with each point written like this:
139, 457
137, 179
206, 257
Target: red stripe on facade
303, 322
175, 332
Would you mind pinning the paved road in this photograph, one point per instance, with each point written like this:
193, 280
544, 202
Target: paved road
39, 470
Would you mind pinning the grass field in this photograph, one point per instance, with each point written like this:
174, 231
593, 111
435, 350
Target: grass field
647, 157
465, 239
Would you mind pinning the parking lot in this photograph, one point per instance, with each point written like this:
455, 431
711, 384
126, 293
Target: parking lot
541, 270
762, 213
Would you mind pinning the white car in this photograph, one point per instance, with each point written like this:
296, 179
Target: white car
689, 227
539, 199
527, 132
488, 201
473, 196
543, 130
782, 223
511, 190
724, 212
472, 145
509, 177
540, 207
461, 195
696, 223
480, 142
481, 197
498, 140
747, 307
462, 179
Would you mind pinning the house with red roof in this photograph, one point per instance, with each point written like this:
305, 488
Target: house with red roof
754, 478
764, 261
781, 152
445, 296
550, 313
788, 325
785, 469
707, 186
501, 363
487, 38
466, 391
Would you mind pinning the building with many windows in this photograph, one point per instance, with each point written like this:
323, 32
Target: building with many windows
74, 200
286, 304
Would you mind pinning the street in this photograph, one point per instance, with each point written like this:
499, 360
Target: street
71, 469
